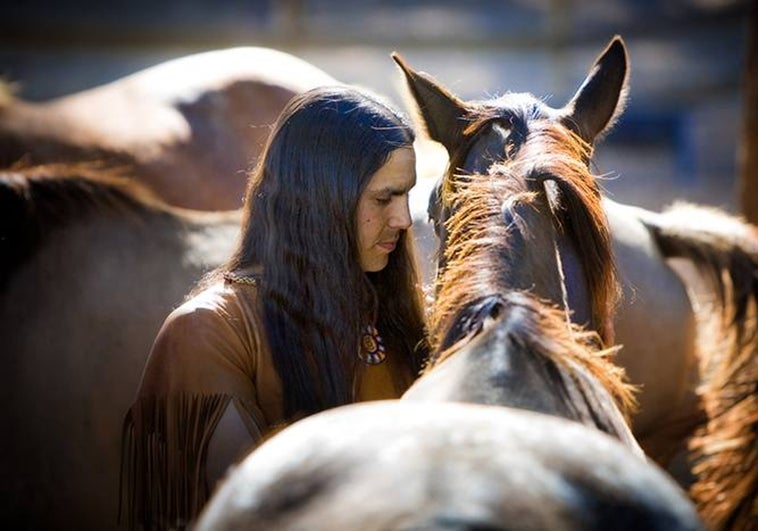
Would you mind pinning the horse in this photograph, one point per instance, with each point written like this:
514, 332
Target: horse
687, 277
397, 464
494, 345
189, 128
91, 262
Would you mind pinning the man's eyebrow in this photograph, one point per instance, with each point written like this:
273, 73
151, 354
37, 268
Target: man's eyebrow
394, 190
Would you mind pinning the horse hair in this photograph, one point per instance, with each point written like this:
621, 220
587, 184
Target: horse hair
478, 240
549, 152
725, 251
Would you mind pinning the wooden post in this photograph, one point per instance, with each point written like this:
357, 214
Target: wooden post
747, 155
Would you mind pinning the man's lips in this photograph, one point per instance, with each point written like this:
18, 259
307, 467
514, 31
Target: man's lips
388, 245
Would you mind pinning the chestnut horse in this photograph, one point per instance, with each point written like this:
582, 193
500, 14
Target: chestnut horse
399, 465
537, 359
189, 128
90, 265
696, 362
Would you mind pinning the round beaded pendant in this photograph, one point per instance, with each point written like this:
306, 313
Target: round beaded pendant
372, 349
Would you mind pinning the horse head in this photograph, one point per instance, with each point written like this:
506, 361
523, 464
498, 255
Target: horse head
532, 161
524, 244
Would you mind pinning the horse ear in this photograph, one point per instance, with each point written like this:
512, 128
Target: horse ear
601, 98
442, 113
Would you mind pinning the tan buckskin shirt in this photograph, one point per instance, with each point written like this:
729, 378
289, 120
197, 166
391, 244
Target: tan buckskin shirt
209, 353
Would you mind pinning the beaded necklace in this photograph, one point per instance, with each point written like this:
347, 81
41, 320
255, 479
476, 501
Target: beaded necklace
372, 348
237, 278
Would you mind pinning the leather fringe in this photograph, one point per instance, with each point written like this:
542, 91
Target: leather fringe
164, 447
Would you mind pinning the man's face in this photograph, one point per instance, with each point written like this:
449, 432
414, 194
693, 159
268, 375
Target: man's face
383, 211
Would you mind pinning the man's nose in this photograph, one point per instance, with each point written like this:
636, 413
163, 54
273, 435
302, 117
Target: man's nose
401, 216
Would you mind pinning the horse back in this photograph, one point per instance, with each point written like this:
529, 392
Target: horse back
444, 466
188, 128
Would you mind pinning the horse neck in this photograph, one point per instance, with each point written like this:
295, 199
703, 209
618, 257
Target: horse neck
544, 260
567, 229
525, 357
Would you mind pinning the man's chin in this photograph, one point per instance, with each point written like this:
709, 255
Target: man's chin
376, 265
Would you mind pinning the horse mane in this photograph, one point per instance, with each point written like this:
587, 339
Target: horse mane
478, 239
541, 328
477, 228
35, 201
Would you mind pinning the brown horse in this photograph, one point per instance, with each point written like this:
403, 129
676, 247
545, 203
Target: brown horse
90, 265
188, 128
696, 362
394, 465
536, 358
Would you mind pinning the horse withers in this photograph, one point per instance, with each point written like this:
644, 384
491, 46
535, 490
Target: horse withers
514, 350
696, 362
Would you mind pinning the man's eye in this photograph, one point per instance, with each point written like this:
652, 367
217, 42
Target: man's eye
383, 200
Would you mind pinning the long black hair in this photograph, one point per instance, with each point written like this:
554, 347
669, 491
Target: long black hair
299, 227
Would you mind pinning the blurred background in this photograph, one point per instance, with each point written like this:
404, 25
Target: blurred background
677, 139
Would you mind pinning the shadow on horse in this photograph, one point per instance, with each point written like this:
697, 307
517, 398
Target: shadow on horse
189, 128
689, 341
90, 265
